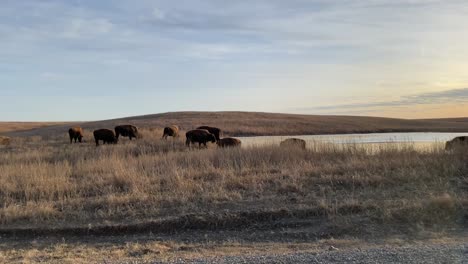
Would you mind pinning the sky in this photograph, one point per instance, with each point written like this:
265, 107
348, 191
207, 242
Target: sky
81, 60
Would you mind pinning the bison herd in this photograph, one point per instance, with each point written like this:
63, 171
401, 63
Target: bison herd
201, 136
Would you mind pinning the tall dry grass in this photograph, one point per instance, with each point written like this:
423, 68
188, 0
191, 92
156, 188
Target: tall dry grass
46, 182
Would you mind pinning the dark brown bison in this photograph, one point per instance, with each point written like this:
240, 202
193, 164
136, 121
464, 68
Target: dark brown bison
75, 133
456, 143
171, 131
106, 135
293, 142
213, 130
127, 131
199, 136
229, 142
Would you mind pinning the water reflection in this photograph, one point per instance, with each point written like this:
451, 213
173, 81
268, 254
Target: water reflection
373, 142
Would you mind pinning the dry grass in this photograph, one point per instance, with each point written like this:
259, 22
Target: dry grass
50, 183
24, 126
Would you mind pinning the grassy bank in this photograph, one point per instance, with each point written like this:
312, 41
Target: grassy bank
161, 186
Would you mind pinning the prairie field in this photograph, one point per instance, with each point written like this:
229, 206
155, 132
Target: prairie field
49, 183
52, 188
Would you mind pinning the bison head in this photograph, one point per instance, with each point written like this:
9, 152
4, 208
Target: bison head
448, 145
212, 138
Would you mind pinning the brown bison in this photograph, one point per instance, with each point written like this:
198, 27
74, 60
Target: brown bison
457, 143
293, 142
75, 133
229, 142
171, 131
5, 141
106, 135
127, 131
199, 136
213, 130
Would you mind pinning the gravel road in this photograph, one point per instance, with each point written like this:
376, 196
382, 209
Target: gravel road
440, 253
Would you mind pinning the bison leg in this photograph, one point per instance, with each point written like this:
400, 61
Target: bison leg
97, 142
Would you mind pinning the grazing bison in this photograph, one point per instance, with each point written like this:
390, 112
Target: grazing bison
171, 131
229, 142
199, 136
456, 143
5, 141
127, 131
293, 142
106, 135
75, 133
213, 130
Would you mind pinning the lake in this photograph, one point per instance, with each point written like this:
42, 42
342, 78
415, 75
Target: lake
420, 140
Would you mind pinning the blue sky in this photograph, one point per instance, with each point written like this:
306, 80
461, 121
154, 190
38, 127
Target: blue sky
91, 60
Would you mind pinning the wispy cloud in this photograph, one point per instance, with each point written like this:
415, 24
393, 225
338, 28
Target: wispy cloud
452, 96
79, 27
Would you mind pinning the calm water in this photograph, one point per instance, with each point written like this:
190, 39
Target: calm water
419, 140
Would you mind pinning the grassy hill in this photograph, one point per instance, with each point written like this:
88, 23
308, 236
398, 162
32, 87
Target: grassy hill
6, 127
255, 123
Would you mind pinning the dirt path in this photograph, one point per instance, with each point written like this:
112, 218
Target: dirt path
432, 253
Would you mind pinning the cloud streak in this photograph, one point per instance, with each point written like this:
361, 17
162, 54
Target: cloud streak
452, 96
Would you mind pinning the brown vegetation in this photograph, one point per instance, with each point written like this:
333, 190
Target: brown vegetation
6, 127
160, 186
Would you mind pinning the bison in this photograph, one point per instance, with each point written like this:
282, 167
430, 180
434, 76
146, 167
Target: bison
199, 136
213, 130
127, 131
293, 142
75, 133
456, 143
171, 131
229, 142
106, 135
5, 141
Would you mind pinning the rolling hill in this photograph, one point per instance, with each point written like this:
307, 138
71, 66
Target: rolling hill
256, 123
